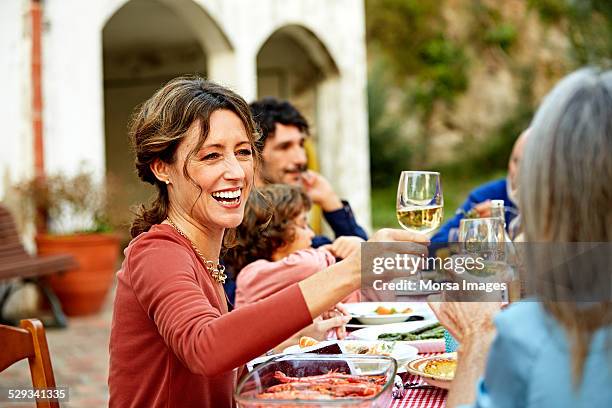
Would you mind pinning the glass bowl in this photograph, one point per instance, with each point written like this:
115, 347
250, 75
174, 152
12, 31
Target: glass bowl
300, 366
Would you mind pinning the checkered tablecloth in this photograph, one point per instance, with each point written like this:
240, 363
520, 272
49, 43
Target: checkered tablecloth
420, 398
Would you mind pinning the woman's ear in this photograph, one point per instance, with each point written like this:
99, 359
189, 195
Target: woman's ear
161, 170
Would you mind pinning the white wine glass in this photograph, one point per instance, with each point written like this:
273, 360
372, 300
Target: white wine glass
420, 203
484, 238
481, 230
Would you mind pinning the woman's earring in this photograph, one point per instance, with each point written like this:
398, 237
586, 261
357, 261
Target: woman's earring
167, 182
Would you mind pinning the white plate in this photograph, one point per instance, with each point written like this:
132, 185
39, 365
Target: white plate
402, 352
417, 366
365, 311
424, 346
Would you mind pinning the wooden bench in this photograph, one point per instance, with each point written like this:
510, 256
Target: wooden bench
16, 262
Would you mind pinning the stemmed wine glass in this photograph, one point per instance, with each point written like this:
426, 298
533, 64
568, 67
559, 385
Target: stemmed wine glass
482, 235
420, 204
485, 238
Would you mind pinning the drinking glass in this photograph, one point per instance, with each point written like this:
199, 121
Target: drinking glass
482, 235
485, 238
420, 204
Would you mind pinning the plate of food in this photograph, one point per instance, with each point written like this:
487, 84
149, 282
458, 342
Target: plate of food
438, 371
426, 335
372, 313
400, 351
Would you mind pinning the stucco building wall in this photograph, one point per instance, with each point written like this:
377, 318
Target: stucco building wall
231, 34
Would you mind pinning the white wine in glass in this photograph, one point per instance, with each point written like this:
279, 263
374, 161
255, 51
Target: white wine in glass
420, 204
420, 219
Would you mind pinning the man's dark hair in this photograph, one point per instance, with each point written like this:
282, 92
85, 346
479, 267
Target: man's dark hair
269, 111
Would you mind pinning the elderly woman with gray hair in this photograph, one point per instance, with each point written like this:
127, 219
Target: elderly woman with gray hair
549, 353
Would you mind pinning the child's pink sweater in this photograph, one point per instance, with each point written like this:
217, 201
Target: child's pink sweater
262, 278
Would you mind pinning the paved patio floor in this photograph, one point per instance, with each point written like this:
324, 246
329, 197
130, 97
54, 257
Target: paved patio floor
79, 356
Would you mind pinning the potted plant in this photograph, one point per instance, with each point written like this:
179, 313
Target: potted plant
72, 212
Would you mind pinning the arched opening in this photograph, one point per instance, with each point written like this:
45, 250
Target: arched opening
294, 64
145, 44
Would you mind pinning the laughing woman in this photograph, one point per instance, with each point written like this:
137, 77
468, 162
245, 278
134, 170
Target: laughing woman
173, 342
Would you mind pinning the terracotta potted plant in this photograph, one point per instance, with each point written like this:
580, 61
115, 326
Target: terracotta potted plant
71, 211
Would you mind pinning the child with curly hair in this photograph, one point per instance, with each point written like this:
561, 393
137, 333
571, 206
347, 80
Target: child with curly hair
274, 245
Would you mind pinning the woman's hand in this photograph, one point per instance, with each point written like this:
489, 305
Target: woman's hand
471, 323
463, 320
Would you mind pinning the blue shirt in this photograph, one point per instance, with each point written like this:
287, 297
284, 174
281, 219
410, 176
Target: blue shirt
493, 190
529, 364
342, 222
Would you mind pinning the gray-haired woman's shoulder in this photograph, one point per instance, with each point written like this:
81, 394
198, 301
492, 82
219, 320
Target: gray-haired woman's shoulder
526, 323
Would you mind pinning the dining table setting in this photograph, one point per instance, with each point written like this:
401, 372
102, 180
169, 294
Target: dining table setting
395, 353
418, 393
389, 358
413, 388
403, 322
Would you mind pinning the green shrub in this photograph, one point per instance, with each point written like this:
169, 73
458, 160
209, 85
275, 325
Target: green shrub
389, 155
550, 11
503, 35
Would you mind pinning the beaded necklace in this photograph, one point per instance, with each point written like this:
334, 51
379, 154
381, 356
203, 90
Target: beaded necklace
216, 271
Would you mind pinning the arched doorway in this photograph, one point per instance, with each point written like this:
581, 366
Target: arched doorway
145, 44
294, 64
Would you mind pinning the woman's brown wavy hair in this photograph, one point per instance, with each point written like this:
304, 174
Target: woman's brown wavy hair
268, 224
159, 126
